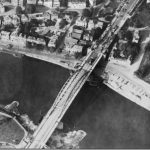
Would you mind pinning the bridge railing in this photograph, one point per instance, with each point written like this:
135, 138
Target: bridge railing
68, 93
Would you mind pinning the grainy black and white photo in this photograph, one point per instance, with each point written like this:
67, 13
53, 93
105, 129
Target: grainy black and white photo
75, 74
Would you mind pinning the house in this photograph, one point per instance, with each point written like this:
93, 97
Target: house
136, 36
148, 1
18, 2
2, 8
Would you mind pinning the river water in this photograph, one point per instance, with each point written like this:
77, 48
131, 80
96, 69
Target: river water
110, 120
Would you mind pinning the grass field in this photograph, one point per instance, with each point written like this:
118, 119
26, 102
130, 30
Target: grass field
10, 131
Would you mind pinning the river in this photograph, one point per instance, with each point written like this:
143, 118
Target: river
110, 120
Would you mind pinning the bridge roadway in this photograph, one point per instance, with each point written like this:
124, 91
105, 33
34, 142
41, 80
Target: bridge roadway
76, 81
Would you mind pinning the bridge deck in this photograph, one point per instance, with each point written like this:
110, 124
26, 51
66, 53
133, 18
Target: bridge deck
76, 81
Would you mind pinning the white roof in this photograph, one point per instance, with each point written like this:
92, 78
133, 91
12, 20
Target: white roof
31, 1
148, 1
91, 2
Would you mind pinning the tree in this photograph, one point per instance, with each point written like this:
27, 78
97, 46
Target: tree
63, 3
18, 10
30, 8
63, 23
129, 36
135, 49
86, 13
144, 69
37, 2
77, 55
87, 3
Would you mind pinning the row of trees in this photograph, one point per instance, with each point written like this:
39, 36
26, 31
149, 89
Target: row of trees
144, 69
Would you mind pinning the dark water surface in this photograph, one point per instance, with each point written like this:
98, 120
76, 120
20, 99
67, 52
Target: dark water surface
33, 83
110, 120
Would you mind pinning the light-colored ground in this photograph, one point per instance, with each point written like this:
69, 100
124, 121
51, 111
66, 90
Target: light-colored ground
59, 59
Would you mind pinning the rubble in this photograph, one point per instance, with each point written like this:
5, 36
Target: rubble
70, 140
28, 123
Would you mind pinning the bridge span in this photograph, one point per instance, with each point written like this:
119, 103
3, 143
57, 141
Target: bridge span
78, 78
61, 104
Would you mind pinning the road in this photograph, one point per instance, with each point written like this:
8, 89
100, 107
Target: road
76, 81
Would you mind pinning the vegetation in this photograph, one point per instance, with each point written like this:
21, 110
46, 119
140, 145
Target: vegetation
144, 69
78, 55
10, 131
63, 3
18, 10
125, 47
142, 16
30, 8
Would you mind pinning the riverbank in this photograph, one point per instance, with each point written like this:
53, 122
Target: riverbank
110, 120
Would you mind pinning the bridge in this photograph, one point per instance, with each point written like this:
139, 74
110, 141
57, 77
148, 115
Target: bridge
78, 78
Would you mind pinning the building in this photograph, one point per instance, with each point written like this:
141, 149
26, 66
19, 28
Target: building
2, 8
31, 2
136, 36
18, 2
23, 2
148, 1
